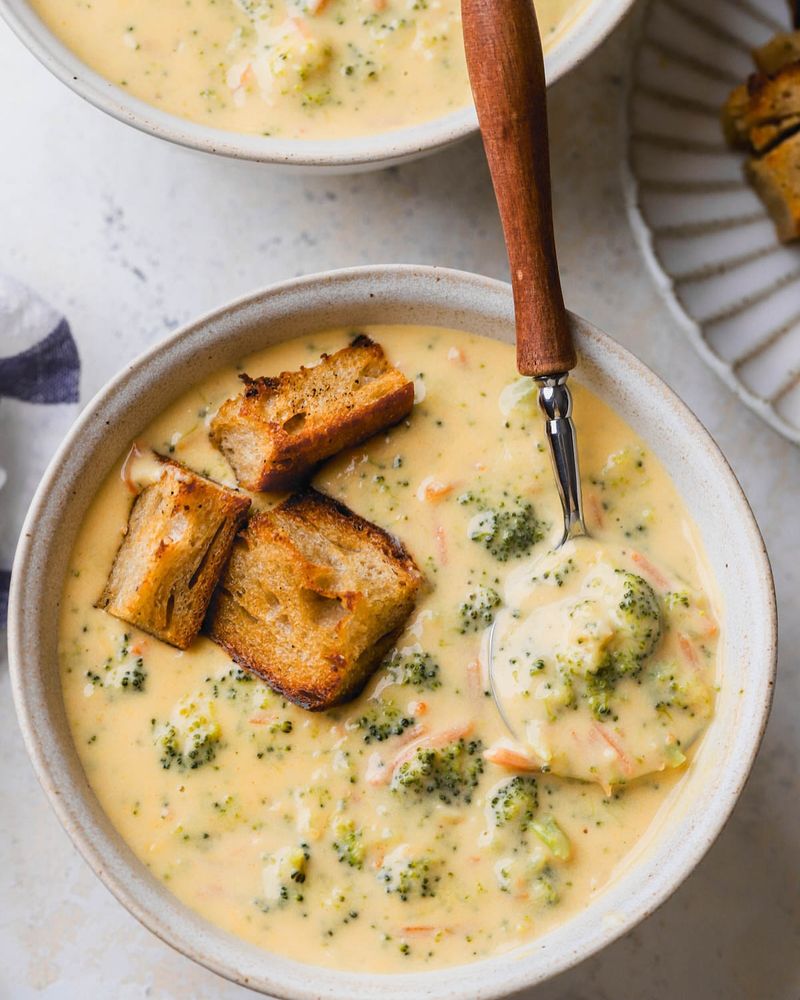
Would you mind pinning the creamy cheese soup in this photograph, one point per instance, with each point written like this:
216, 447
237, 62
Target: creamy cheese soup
299, 69
405, 830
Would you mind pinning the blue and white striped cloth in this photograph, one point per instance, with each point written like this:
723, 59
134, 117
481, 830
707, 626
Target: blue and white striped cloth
39, 385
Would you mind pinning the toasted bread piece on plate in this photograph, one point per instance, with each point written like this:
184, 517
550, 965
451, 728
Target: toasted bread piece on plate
779, 51
764, 137
312, 599
179, 533
776, 178
279, 428
763, 100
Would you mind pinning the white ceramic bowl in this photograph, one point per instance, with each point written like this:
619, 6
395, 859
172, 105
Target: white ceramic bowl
394, 295
341, 155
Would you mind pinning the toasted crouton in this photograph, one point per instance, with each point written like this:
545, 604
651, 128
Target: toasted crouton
180, 531
763, 100
312, 599
776, 178
278, 429
779, 51
764, 137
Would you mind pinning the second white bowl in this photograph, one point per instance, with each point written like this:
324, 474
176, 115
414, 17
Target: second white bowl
590, 27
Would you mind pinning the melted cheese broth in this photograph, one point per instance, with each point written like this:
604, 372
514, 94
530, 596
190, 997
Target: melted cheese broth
258, 839
297, 69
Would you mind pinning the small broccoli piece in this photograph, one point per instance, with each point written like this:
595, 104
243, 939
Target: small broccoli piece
190, 738
624, 470
478, 610
600, 687
677, 599
416, 669
349, 845
515, 801
552, 836
544, 888
407, 876
447, 773
641, 613
381, 720
121, 673
508, 529
132, 678
282, 875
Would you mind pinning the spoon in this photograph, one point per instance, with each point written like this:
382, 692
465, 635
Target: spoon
506, 70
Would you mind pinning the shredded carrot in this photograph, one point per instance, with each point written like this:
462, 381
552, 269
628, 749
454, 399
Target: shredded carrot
301, 26
432, 490
508, 757
457, 356
651, 570
418, 707
262, 720
624, 759
688, 651
317, 6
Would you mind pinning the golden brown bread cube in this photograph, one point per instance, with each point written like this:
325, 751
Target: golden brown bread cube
312, 599
779, 51
763, 137
180, 531
763, 100
776, 178
278, 429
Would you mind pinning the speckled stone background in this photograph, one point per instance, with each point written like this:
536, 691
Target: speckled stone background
130, 238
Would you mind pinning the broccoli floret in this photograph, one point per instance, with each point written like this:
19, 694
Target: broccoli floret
349, 845
407, 876
120, 673
478, 610
552, 836
190, 738
283, 875
600, 688
515, 801
508, 528
416, 669
544, 887
641, 613
447, 773
381, 720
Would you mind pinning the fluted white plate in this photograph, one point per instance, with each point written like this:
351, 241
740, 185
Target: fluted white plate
706, 235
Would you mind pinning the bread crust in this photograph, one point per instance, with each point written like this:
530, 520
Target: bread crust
312, 599
279, 428
776, 178
179, 533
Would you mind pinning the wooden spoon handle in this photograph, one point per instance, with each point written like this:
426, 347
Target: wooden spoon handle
506, 70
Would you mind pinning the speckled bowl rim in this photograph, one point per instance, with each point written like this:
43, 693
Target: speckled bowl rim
396, 294
339, 155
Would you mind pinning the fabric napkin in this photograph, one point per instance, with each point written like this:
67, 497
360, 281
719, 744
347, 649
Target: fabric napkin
39, 386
